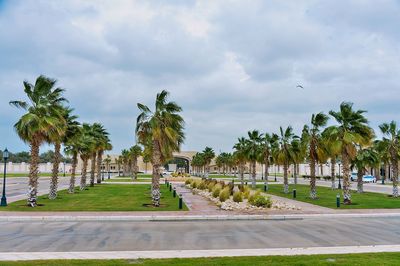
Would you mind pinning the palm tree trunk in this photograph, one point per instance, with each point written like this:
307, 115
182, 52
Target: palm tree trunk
378, 173
99, 160
266, 171
241, 169
346, 179
33, 173
84, 172
360, 188
71, 188
93, 169
313, 191
135, 170
285, 179
155, 181
333, 165
253, 175
54, 174
395, 171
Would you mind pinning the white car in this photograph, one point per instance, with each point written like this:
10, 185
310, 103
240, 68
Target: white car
353, 176
369, 179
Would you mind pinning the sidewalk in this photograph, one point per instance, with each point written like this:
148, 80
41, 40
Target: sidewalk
164, 254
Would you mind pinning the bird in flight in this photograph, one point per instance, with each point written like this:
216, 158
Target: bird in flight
299, 86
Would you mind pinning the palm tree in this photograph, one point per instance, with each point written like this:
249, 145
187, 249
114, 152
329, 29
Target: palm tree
118, 162
85, 148
219, 163
312, 137
332, 151
365, 158
284, 154
352, 130
268, 143
391, 145
163, 128
72, 148
125, 162
107, 161
103, 143
209, 154
253, 152
57, 138
135, 152
70, 141
299, 153
42, 119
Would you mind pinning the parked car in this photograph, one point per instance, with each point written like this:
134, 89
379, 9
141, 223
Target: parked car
369, 179
353, 176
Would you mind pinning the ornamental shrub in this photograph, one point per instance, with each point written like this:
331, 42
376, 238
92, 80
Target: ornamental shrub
216, 190
210, 186
202, 185
188, 181
237, 196
253, 196
262, 201
224, 194
246, 192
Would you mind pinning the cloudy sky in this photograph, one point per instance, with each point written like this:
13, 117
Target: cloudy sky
232, 65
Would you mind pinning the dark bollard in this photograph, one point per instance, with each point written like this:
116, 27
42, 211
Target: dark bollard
338, 201
246, 183
265, 187
294, 193
170, 187
174, 193
180, 202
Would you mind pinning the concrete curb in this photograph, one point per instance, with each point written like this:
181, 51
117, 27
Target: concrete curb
100, 218
164, 254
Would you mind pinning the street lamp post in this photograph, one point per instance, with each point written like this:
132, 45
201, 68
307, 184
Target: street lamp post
340, 185
275, 173
102, 173
3, 197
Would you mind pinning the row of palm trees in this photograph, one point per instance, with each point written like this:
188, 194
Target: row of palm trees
129, 160
48, 119
351, 141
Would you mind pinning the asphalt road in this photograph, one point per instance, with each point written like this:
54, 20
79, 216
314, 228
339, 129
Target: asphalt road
17, 187
192, 235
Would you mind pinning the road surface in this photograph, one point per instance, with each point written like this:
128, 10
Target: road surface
195, 235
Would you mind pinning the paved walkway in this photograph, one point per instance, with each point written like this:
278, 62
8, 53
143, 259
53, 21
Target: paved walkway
165, 254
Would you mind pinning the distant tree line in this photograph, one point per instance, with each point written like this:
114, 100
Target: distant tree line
25, 157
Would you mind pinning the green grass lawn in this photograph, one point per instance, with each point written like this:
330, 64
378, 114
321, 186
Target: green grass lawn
104, 197
327, 197
127, 180
348, 259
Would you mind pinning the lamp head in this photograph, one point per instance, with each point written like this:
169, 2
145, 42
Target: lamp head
5, 154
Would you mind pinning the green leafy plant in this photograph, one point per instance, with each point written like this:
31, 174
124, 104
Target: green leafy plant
237, 196
216, 190
224, 194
